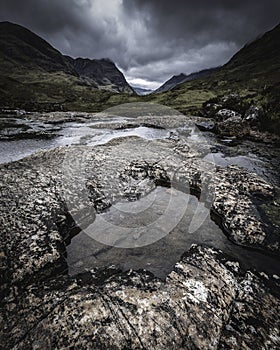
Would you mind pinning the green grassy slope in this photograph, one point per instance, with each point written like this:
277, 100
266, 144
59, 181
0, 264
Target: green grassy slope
253, 72
35, 76
20, 48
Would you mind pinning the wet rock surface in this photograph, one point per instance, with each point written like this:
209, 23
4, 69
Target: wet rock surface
242, 220
37, 190
206, 302
47, 198
16, 129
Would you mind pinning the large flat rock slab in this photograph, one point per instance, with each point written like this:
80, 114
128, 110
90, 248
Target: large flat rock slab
206, 302
42, 194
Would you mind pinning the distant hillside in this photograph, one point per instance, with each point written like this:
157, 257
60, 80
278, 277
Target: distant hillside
34, 75
253, 72
171, 83
101, 73
182, 78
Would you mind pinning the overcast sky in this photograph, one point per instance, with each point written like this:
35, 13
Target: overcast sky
149, 40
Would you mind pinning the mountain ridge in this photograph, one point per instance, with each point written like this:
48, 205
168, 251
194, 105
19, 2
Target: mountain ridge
21, 45
182, 78
33, 73
252, 72
100, 72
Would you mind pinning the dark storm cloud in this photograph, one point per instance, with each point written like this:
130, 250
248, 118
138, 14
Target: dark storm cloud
73, 26
150, 40
201, 20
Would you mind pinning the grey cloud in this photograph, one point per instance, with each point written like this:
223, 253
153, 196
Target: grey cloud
148, 39
200, 20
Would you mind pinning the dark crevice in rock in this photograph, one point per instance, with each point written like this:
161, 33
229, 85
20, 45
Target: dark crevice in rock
45, 316
137, 125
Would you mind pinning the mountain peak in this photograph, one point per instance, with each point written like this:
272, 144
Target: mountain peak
182, 78
101, 72
181, 75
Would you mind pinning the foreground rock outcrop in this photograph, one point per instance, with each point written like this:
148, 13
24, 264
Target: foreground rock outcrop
207, 302
236, 193
40, 196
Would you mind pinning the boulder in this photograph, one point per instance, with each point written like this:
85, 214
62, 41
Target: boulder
224, 114
209, 109
232, 126
205, 126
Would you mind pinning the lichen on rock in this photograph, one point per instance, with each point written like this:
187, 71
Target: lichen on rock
206, 302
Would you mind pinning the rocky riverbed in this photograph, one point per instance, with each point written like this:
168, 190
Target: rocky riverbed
129, 191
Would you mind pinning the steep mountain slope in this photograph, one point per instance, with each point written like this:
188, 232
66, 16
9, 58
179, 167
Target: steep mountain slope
20, 48
34, 75
182, 78
101, 73
171, 83
253, 72
259, 53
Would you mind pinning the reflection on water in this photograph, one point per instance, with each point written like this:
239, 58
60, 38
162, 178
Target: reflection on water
74, 134
250, 162
145, 225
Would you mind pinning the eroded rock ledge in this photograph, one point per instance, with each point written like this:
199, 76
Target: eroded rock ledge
206, 302
39, 192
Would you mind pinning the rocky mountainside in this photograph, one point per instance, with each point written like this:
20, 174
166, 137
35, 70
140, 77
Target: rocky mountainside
252, 74
36, 75
100, 73
182, 78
